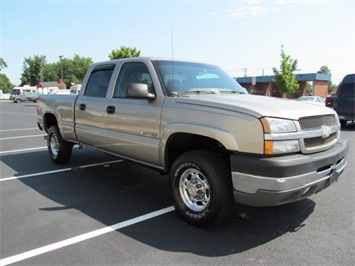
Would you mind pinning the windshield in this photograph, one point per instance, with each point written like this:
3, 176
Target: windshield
15, 92
185, 78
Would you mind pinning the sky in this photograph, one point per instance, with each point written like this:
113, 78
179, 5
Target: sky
242, 37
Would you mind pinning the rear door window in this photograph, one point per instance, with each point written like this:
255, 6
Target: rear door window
98, 82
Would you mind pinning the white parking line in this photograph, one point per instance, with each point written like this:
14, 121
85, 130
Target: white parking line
83, 237
13, 151
18, 129
59, 170
22, 137
36, 174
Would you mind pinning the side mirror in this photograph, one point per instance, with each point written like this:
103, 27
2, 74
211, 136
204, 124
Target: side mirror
139, 90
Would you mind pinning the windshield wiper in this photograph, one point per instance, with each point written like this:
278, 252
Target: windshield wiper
231, 91
197, 91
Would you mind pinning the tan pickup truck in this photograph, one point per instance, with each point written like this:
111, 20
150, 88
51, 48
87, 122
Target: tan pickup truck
191, 120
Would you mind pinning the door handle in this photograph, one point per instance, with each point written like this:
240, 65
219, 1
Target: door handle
82, 106
110, 109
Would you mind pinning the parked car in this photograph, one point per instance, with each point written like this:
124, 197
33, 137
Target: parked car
312, 99
19, 92
344, 103
25, 97
217, 143
329, 101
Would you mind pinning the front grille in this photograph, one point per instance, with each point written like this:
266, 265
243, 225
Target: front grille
316, 122
318, 141
321, 124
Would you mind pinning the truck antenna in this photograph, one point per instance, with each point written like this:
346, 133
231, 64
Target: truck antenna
172, 44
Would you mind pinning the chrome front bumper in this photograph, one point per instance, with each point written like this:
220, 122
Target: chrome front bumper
279, 180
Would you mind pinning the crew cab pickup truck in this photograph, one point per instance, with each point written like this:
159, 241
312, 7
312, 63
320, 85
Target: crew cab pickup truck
193, 121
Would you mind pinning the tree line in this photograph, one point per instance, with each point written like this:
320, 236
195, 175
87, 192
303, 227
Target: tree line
72, 70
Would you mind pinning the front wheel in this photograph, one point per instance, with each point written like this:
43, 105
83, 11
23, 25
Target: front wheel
201, 188
343, 123
59, 150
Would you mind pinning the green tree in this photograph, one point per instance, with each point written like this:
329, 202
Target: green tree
33, 70
309, 88
74, 70
2, 64
124, 52
5, 84
51, 72
331, 86
285, 79
324, 70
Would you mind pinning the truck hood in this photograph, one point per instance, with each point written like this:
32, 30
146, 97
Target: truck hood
257, 106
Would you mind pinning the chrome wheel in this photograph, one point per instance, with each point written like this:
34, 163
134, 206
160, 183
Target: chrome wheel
195, 190
54, 145
201, 187
59, 150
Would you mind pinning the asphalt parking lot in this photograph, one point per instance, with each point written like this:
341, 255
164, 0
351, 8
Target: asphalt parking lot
100, 210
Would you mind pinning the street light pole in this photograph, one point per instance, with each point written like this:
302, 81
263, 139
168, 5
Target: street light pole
61, 67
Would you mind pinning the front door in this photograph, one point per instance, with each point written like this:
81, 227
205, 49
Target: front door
133, 124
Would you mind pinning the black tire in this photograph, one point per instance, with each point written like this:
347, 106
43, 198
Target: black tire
201, 188
59, 150
343, 123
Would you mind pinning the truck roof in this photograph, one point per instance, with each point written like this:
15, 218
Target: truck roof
149, 58
349, 79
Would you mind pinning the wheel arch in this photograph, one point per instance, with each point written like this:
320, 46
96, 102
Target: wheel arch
183, 141
49, 119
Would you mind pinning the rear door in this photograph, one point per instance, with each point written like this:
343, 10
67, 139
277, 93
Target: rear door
90, 108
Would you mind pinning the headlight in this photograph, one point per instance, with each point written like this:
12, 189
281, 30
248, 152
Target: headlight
276, 126
281, 146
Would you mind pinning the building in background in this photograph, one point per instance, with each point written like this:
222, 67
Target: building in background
264, 85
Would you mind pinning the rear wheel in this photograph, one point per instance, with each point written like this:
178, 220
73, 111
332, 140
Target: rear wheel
201, 188
59, 150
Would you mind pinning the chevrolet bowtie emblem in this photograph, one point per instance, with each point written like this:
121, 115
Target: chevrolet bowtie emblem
326, 131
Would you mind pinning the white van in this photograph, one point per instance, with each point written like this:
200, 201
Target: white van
20, 91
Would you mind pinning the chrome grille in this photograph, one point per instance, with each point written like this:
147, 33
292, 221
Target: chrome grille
316, 122
318, 141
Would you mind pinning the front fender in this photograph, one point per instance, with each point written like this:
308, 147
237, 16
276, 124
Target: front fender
224, 137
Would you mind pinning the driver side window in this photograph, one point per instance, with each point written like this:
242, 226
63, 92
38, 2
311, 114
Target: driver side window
132, 73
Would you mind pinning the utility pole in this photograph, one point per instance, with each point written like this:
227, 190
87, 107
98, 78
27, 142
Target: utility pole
245, 71
61, 67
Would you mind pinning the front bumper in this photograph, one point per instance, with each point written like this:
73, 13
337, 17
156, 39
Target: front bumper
272, 181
